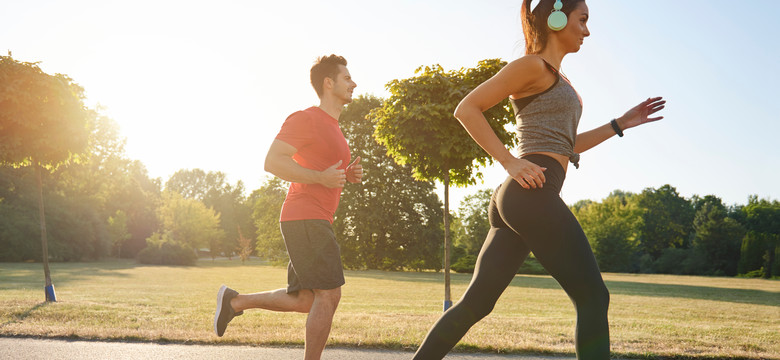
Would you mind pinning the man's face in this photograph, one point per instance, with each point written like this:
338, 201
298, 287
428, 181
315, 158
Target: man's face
343, 85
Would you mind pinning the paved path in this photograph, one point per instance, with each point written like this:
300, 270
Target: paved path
28, 349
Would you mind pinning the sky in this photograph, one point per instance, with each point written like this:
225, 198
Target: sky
207, 84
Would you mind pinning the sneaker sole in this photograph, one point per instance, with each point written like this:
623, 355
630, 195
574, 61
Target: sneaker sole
220, 295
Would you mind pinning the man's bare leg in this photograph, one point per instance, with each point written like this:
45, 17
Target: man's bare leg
319, 321
275, 300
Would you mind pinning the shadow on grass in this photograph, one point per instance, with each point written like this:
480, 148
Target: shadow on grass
417, 277
740, 296
20, 317
29, 274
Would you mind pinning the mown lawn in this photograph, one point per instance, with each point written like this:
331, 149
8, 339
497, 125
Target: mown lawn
650, 315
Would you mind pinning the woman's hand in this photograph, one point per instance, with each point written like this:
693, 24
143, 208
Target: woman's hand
526, 173
638, 115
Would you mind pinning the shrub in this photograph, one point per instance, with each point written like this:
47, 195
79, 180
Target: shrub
646, 264
467, 263
671, 261
753, 274
532, 266
464, 264
161, 250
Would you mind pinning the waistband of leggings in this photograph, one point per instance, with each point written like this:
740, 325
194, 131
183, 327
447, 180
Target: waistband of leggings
554, 175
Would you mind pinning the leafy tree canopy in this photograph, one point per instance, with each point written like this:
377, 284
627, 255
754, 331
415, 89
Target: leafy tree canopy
417, 125
42, 117
188, 221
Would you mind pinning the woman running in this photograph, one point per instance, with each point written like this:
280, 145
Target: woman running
526, 212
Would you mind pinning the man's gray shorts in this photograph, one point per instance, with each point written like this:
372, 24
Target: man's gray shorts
315, 258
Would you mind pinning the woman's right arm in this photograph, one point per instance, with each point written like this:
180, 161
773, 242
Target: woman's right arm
516, 77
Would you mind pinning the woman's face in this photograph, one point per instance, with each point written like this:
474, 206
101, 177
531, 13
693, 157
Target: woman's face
576, 30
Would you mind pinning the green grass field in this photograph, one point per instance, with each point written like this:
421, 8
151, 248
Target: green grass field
650, 315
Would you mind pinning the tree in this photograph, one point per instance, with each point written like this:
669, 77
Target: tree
117, 230
188, 221
462, 261
667, 220
579, 205
266, 204
473, 213
718, 238
97, 183
611, 227
198, 184
417, 126
762, 221
139, 197
245, 248
18, 212
100, 173
213, 189
752, 254
389, 221
43, 124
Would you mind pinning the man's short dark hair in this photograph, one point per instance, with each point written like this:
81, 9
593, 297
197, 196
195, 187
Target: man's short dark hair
325, 66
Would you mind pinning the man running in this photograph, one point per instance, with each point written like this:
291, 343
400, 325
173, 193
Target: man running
310, 152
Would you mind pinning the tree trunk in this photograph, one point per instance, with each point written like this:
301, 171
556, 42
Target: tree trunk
49, 289
447, 297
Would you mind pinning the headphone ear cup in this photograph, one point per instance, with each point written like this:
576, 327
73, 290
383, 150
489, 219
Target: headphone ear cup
557, 20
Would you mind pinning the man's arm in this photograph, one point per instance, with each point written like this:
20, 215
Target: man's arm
279, 162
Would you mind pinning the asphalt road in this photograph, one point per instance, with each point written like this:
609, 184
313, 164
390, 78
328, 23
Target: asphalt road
28, 348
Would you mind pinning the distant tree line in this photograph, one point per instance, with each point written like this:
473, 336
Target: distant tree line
658, 231
655, 231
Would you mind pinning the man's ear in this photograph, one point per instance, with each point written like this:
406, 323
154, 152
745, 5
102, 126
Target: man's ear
327, 83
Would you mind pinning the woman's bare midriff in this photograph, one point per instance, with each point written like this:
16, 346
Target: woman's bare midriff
563, 160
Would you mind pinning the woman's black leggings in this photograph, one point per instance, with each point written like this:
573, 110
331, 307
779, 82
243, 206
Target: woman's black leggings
524, 220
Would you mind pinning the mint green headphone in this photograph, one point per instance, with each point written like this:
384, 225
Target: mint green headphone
557, 19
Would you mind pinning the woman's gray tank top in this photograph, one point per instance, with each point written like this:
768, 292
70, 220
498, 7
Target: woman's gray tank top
548, 121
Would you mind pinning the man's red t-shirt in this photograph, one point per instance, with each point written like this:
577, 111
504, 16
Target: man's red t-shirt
320, 144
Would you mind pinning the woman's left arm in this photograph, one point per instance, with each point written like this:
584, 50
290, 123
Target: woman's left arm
638, 115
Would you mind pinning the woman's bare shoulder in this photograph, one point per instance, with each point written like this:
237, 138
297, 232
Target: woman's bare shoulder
531, 75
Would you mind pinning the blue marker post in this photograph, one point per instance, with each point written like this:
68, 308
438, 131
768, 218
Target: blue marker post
50, 296
447, 304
